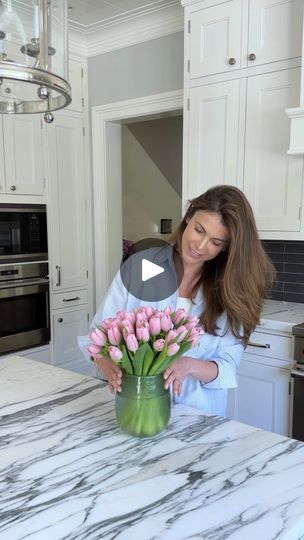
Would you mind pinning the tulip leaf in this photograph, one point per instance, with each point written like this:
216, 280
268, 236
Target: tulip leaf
138, 359
125, 361
167, 360
158, 361
149, 357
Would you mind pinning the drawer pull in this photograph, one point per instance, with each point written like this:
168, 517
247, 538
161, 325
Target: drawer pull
259, 345
71, 299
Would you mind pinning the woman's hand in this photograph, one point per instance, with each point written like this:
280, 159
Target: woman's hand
110, 371
205, 371
176, 373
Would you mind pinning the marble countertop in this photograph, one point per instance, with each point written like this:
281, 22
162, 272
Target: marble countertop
67, 472
281, 316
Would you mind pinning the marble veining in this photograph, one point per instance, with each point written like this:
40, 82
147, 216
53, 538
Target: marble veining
67, 472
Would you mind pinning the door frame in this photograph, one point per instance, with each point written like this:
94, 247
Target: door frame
101, 115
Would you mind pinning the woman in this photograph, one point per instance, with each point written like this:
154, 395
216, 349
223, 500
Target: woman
225, 276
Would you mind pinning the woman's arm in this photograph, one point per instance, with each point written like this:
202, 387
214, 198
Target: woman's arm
205, 371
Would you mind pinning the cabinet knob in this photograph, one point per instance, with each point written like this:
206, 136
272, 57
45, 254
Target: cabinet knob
60, 319
232, 61
13, 188
252, 57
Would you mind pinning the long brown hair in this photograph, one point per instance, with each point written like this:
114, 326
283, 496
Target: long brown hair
236, 281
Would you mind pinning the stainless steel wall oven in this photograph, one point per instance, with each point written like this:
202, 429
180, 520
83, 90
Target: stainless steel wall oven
24, 306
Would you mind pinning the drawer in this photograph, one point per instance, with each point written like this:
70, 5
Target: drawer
69, 299
270, 345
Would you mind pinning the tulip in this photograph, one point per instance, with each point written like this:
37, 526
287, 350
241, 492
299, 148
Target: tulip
131, 342
158, 345
115, 353
142, 331
149, 312
181, 333
141, 317
98, 337
173, 348
93, 350
130, 316
121, 315
166, 323
127, 325
179, 316
167, 311
107, 323
172, 334
114, 335
154, 325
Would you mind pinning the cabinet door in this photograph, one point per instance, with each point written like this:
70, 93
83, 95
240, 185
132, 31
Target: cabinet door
215, 39
262, 397
272, 179
76, 80
275, 30
23, 154
67, 216
213, 136
67, 326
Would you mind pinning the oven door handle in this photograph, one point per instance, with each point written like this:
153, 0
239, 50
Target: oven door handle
297, 374
24, 283
24, 290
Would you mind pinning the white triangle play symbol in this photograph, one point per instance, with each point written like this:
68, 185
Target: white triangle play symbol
150, 270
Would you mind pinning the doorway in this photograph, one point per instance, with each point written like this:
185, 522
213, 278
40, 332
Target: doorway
108, 122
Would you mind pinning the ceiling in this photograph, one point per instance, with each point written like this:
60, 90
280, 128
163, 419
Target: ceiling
89, 12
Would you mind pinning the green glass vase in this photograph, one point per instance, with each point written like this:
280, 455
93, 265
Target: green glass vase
143, 406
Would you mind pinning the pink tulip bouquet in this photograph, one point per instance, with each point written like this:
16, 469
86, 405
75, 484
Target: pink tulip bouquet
145, 341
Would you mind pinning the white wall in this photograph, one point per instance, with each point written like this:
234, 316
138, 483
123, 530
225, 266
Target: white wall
147, 196
148, 68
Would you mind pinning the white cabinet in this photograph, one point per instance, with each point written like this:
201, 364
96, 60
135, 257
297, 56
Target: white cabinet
68, 239
215, 39
275, 30
21, 170
67, 209
235, 34
262, 396
242, 71
213, 136
272, 178
67, 326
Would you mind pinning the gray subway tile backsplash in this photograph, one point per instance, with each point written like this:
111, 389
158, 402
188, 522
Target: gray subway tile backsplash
288, 259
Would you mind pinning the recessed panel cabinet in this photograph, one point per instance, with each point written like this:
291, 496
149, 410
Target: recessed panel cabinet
22, 170
215, 39
67, 202
213, 136
237, 34
67, 326
272, 178
262, 396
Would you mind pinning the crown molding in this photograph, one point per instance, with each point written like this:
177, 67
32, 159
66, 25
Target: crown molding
118, 33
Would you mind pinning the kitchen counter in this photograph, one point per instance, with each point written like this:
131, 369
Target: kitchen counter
281, 316
67, 472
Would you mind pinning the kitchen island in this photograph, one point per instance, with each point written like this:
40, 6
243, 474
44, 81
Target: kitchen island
67, 472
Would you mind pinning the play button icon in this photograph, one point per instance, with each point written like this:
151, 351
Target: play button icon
150, 270
149, 274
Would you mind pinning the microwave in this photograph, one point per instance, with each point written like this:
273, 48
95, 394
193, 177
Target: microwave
23, 233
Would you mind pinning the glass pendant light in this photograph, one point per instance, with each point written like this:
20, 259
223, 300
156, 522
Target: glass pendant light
33, 57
